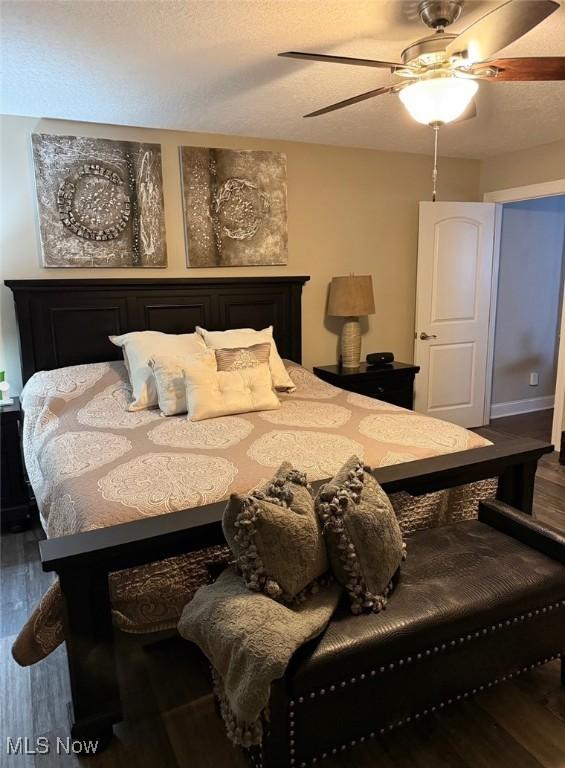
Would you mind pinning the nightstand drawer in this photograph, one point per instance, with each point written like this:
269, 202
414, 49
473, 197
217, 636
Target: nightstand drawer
394, 392
393, 384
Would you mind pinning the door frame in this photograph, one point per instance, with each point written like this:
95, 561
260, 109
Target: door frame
511, 195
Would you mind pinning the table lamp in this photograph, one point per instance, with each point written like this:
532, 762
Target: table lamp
350, 297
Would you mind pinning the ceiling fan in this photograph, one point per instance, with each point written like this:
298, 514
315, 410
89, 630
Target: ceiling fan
439, 73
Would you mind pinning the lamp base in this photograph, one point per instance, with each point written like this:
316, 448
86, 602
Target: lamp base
351, 343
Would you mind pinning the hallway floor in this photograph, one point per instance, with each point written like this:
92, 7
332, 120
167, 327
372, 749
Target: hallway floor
537, 424
549, 498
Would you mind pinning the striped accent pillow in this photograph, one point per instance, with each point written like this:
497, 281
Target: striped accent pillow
239, 358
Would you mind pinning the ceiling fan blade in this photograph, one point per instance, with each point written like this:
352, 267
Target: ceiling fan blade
500, 27
342, 60
522, 69
353, 100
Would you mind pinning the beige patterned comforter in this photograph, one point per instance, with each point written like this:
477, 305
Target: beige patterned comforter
94, 464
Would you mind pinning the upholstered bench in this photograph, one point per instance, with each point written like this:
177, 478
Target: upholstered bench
477, 602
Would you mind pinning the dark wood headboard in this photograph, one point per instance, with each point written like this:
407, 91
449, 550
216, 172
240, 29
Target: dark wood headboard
67, 322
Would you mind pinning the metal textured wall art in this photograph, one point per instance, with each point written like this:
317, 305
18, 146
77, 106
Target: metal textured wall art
234, 207
100, 202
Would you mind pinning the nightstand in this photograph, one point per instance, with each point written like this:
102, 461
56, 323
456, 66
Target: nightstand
392, 383
15, 508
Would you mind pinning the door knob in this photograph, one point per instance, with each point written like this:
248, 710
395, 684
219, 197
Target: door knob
425, 336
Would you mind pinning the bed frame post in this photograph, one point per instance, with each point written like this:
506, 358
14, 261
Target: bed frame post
89, 637
516, 486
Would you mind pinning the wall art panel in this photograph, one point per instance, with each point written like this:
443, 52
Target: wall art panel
234, 207
100, 202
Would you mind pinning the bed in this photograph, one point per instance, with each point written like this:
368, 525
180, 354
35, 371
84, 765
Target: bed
94, 464
110, 483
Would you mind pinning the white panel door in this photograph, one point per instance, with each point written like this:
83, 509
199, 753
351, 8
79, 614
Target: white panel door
455, 257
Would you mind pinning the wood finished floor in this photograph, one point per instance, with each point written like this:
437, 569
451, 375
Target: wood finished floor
549, 500
536, 425
171, 721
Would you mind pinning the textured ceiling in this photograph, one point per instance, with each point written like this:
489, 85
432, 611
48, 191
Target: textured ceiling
210, 65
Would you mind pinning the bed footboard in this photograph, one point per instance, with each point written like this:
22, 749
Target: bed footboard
84, 561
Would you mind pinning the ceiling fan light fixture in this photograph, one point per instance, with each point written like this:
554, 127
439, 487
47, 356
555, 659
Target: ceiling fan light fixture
438, 100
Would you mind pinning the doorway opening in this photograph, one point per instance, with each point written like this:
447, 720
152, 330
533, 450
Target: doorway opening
546, 190
528, 308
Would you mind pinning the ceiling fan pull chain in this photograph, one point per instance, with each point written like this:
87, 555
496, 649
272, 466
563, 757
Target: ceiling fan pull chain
434, 172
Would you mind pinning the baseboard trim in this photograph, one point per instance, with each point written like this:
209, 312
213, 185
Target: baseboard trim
515, 407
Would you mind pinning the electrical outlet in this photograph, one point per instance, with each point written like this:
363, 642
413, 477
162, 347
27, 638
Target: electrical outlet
534, 379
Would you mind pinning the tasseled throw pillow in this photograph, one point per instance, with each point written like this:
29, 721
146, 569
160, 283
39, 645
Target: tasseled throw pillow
362, 534
276, 537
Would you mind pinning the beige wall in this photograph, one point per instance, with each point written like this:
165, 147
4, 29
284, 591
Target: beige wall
530, 166
348, 210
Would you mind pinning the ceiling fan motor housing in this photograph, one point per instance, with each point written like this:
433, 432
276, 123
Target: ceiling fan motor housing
428, 50
439, 13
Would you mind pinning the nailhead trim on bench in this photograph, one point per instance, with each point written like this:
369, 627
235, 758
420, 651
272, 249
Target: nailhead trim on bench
408, 660
440, 648
256, 761
416, 716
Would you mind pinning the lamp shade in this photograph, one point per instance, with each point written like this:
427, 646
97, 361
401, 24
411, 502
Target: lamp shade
351, 296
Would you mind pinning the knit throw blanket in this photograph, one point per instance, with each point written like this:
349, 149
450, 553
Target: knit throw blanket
249, 640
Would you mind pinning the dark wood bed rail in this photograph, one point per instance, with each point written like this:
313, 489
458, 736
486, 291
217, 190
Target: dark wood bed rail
136, 543
83, 561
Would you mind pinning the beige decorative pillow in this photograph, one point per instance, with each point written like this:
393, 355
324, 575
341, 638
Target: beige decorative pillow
169, 372
362, 534
276, 537
242, 357
211, 393
247, 337
139, 347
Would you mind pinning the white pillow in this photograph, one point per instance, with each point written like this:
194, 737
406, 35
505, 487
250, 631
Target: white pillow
246, 337
169, 371
140, 347
211, 393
